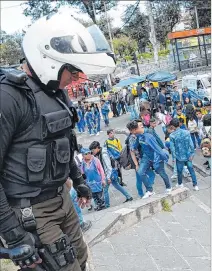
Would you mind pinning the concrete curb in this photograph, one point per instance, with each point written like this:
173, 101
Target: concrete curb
131, 213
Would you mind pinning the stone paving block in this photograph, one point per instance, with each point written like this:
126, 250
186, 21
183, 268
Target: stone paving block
150, 233
199, 264
202, 236
189, 247
107, 268
140, 262
189, 222
167, 257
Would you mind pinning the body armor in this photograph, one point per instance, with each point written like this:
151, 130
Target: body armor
38, 158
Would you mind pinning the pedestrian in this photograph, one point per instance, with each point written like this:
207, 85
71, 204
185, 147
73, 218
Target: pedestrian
81, 121
110, 172
182, 125
114, 104
90, 120
37, 147
175, 96
193, 129
151, 130
182, 149
130, 100
97, 118
99, 91
95, 177
153, 97
105, 111
84, 225
164, 117
208, 107
86, 90
201, 107
186, 94
144, 95
167, 144
152, 156
114, 149
162, 97
180, 114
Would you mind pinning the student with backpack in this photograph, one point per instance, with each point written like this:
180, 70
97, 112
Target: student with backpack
110, 172
114, 149
95, 177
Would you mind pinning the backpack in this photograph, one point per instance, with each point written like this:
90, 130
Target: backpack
206, 147
139, 91
168, 119
126, 160
134, 91
113, 99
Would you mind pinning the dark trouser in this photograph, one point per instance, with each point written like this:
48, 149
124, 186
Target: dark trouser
98, 198
115, 111
123, 108
56, 217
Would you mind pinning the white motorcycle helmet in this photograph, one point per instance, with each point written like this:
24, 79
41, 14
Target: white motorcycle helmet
57, 41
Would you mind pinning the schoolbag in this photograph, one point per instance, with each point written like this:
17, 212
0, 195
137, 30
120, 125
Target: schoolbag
206, 147
126, 160
168, 119
113, 99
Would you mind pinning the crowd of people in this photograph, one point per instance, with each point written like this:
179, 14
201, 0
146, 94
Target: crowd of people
186, 127
88, 89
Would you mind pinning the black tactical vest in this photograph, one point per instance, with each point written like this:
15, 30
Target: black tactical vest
38, 158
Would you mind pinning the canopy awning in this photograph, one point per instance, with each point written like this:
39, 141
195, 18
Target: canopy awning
161, 76
130, 81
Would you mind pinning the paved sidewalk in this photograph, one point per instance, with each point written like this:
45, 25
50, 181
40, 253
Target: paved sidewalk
169, 241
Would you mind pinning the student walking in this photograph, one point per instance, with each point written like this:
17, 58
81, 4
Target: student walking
110, 172
182, 149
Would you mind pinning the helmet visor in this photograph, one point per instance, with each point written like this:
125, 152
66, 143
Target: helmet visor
75, 44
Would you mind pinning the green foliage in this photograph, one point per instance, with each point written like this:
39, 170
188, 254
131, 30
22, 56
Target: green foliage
128, 58
36, 8
124, 46
166, 206
146, 55
166, 15
203, 11
164, 52
10, 48
137, 27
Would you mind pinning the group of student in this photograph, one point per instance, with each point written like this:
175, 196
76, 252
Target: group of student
89, 115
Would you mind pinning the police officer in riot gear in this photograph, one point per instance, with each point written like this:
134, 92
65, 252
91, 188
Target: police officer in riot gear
37, 143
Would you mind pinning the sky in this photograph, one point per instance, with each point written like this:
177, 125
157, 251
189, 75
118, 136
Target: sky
13, 20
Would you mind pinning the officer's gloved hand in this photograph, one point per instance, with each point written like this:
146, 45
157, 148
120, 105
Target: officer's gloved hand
84, 194
17, 238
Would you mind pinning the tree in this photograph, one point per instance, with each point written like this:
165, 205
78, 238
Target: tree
37, 8
203, 12
137, 27
10, 48
166, 15
124, 46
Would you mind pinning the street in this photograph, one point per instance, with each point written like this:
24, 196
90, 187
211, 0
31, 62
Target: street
176, 240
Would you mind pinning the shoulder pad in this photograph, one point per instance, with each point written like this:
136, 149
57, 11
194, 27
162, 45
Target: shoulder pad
15, 76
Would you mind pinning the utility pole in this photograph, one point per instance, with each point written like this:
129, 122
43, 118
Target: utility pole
152, 36
196, 15
108, 25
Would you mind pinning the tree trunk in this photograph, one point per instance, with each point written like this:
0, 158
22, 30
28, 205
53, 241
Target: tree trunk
152, 36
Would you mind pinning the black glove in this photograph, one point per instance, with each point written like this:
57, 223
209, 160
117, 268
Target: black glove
19, 237
84, 191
